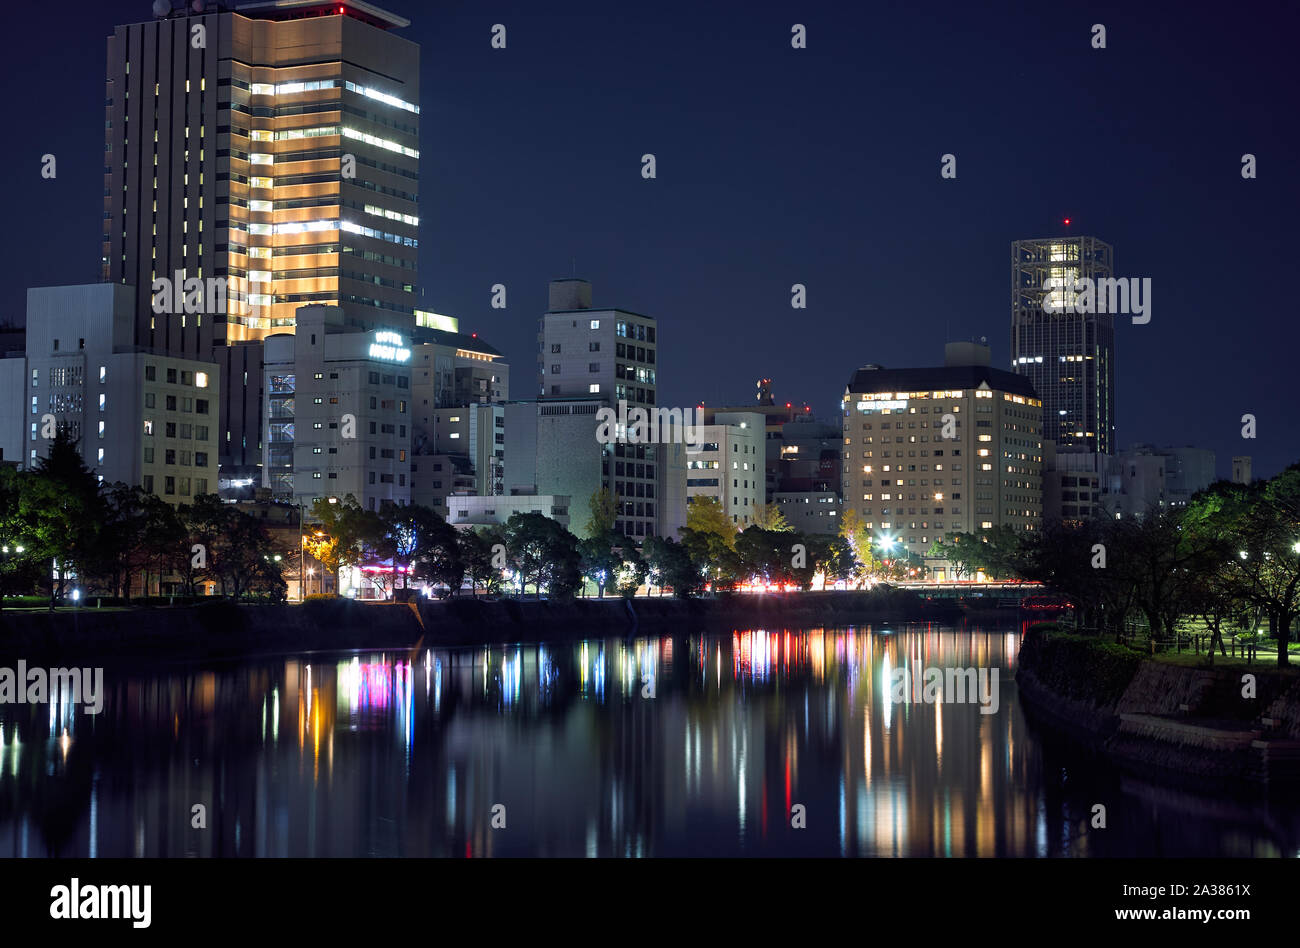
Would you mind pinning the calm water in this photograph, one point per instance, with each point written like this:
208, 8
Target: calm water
608, 747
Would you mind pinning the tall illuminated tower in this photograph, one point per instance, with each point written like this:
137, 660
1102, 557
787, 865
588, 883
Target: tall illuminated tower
1069, 358
274, 144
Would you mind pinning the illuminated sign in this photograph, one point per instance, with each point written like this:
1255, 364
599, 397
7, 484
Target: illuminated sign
878, 406
389, 347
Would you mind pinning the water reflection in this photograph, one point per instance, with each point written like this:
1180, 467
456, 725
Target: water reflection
700, 745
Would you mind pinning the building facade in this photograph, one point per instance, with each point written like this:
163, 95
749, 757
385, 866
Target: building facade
730, 466
934, 451
144, 419
1069, 358
600, 358
272, 154
338, 412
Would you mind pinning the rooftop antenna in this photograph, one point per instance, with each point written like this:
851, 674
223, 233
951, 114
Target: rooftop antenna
575, 268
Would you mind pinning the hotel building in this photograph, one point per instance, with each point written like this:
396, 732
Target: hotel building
909, 483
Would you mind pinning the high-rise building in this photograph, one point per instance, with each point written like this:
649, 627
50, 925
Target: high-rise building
272, 153
608, 356
1068, 358
952, 449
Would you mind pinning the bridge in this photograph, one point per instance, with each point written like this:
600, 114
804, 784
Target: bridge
1010, 595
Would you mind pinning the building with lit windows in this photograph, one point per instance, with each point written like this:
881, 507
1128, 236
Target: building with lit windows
338, 412
1068, 358
912, 485
144, 419
458, 385
274, 146
729, 467
591, 358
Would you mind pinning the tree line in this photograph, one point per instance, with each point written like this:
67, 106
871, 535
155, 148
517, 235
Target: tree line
61, 527
1229, 559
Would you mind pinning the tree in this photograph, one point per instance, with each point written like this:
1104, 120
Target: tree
62, 507
20, 558
765, 555
632, 571
603, 506
705, 515
476, 551
244, 559
831, 556
421, 542
542, 553
854, 531
1216, 595
672, 565
1269, 557
601, 558
348, 534
770, 517
998, 553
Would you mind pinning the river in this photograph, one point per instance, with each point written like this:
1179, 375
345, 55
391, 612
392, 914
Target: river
756, 742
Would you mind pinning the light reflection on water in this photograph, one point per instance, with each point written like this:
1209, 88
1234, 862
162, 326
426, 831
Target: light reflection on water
699, 745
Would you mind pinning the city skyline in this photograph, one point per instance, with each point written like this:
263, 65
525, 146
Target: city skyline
758, 196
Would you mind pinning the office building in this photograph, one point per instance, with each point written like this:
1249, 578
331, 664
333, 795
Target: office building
271, 153
458, 387
338, 412
1068, 358
909, 482
729, 466
591, 358
143, 419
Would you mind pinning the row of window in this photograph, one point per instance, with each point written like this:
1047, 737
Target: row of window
173, 457
171, 429
171, 483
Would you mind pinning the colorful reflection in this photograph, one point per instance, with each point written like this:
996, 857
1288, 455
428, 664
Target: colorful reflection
772, 741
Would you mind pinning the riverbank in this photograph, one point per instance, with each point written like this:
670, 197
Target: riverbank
222, 629
1160, 718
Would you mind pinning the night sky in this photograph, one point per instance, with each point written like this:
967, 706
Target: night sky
817, 166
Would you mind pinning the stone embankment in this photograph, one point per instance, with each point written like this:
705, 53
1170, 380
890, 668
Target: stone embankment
221, 629
1160, 718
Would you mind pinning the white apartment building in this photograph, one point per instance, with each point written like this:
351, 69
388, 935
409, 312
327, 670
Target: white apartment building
730, 465
338, 412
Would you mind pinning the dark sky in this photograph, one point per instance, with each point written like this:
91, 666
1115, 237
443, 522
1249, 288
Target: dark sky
818, 166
